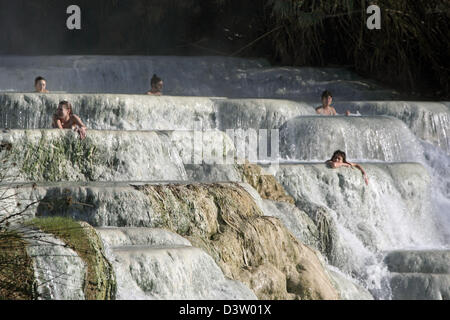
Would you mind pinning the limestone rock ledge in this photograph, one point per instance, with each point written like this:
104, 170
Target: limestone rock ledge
258, 250
69, 260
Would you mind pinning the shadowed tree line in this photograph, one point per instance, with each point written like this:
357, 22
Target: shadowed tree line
410, 52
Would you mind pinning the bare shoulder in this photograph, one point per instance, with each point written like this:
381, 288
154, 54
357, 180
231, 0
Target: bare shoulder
56, 122
74, 117
76, 120
330, 164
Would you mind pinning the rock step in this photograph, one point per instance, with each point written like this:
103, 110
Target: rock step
57, 155
419, 274
173, 273
419, 261
364, 138
152, 263
420, 286
429, 121
142, 112
108, 203
132, 250
140, 236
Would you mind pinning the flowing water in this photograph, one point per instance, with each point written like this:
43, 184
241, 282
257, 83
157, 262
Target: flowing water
403, 146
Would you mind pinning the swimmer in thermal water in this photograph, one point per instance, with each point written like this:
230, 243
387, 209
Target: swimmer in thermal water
339, 160
40, 85
156, 86
65, 119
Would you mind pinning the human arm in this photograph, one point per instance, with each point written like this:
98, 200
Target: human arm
56, 123
81, 127
366, 180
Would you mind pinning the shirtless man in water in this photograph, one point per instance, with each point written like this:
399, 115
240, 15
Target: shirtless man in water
339, 160
65, 119
157, 85
326, 109
40, 85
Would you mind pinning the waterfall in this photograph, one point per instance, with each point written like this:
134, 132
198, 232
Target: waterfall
362, 138
183, 76
429, 121
367, 237
145, 259
59, 271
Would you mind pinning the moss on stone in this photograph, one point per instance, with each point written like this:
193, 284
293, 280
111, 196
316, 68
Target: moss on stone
100, 283
266, 184
224, 220
16, 272
52, 159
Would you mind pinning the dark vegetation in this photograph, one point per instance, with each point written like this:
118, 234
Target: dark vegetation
16, 271
410, 52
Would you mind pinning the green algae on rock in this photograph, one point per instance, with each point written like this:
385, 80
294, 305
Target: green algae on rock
99, 282
224, 220
44, 163
51, 155
16, 272
266, 184
59, 155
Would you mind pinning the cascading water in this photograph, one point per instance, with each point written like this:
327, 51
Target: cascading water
315, 138
364, 222
144, 259
366, 139
429, 121
184, 76
437, 162
402, 145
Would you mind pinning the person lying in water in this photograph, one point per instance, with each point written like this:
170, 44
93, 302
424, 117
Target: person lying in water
326, 109
40, 85
157, 85
339, 160
65, 119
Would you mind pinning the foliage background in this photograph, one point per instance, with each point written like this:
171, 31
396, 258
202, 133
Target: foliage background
410, 52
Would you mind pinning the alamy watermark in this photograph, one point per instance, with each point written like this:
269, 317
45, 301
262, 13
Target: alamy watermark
74, 20
232, 146
374, 21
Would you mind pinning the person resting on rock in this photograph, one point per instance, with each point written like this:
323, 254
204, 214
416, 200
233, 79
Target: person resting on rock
40, 85
157, 85
339, 160
326, 109
64, 118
